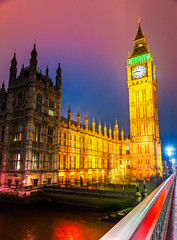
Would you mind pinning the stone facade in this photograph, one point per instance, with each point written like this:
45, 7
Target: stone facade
38, 146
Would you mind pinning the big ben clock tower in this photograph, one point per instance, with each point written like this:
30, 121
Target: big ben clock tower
144, 125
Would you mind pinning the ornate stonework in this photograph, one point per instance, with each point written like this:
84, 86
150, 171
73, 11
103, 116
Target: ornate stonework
38, 146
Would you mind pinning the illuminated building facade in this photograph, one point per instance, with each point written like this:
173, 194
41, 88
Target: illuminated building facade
38, 146
144, 125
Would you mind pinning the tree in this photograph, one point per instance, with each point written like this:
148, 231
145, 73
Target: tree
117, 176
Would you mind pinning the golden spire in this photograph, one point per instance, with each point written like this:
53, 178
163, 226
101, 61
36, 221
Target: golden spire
139, 19
105, 129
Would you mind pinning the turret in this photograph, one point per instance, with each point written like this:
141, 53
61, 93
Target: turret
122, 135
13, 68
86, 123
3, 88
105, 130
78, 120
58, 77
110, 131
116, 131
33, 60
99, 128
69, 116
93, 125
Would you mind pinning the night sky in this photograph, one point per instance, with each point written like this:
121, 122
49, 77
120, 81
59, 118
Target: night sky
92, 38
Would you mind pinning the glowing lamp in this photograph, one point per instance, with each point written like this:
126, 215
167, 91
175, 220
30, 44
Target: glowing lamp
169, 151
173, 161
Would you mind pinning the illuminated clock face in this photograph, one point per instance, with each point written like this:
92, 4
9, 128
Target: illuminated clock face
139, 71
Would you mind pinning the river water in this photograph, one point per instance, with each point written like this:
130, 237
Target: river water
46, 222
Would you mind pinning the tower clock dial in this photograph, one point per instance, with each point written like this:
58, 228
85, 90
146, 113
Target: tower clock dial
139, 71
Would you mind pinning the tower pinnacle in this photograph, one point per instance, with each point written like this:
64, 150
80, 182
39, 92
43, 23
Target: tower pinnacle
13, 67
33, 60
139, 45
59, 77
139, 19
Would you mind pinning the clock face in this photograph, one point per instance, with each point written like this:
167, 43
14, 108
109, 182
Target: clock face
139, 71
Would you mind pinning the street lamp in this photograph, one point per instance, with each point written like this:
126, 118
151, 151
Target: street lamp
170, 153
173, 161
169, 150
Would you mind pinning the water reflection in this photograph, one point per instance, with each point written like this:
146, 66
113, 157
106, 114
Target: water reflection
30, 235
71, 231
45, 222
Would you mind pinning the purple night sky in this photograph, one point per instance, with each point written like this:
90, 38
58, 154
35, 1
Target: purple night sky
92, 40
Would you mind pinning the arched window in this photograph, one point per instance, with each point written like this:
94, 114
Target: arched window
39, 102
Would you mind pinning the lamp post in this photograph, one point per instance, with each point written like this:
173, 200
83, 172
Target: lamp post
169, 151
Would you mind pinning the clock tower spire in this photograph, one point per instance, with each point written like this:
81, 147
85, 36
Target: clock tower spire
144, 125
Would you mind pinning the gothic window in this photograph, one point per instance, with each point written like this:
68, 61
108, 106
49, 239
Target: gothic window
83, 142
44, 161
17, 131
127, 149
50, 135
60, 162
35, 161
70, 162
90, 144
64, 138
74, 162
39, 102
79, 140
51, 107
49, 161
128, 163
15, 162
81, 162
37, 132
74, 140
64, 161
59, 139
35, 182
49, 180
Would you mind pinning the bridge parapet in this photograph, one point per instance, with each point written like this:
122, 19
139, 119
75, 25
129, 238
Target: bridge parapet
149, 219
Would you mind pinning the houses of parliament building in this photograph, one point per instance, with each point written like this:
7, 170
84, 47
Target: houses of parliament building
39, 146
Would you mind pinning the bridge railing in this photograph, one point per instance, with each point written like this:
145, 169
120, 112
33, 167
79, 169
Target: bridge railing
149, 219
